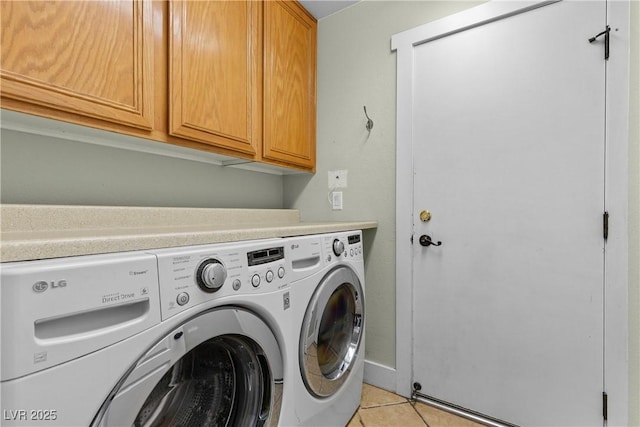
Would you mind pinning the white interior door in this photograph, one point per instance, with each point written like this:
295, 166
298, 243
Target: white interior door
508, 140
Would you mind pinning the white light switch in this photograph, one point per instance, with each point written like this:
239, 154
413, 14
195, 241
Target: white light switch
336, 200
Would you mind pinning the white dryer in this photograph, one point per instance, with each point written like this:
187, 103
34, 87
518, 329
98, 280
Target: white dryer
328, 313
190, 336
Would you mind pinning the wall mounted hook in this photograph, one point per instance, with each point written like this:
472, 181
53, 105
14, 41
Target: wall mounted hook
369, 124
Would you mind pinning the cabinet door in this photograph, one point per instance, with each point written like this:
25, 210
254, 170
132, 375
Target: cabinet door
289, 84
91, 58
214, 73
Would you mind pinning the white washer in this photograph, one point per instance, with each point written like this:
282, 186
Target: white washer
188, 336
328, 312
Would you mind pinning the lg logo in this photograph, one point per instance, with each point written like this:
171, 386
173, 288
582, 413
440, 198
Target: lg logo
42, 286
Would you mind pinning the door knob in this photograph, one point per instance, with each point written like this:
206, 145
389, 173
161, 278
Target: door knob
426, 241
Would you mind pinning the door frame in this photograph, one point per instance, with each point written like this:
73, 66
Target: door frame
616, 188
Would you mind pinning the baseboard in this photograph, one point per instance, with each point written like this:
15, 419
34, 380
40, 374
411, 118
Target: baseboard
379, 375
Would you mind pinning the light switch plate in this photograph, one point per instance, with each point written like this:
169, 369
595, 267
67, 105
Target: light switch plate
336, 200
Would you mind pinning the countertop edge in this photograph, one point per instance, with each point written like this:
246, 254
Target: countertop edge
35, 248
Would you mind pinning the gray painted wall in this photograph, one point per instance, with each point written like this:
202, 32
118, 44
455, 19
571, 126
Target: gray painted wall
356, 67
43, 170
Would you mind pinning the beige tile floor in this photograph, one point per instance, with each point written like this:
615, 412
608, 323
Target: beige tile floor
379, 408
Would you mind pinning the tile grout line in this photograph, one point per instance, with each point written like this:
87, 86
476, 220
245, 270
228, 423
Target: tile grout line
413, 405
384, 404
440, 417
359, 418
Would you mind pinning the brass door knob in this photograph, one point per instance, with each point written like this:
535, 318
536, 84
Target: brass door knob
425, 216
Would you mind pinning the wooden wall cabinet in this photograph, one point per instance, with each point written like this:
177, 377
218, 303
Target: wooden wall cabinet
235, 78
289, 84
89, 58
215, 71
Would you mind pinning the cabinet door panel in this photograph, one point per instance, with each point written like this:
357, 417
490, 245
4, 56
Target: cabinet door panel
91, 58
215, 51
290, 84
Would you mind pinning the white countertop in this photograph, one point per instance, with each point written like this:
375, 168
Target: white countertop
30, 232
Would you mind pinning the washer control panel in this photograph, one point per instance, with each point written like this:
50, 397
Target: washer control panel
197, 274
265, 265
338, 247
211, 275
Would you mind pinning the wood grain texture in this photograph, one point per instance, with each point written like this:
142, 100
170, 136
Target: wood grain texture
160, 95
214, 76
89, 58
115, 65
289, 84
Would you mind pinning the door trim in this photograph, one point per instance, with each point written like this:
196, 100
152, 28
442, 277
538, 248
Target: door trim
616, 189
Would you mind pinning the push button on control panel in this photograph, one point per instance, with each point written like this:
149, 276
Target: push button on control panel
281, 272
182, 298
255, 280
269, 276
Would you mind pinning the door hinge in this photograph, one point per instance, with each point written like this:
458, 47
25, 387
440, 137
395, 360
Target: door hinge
605, 404
606, 40
605, 225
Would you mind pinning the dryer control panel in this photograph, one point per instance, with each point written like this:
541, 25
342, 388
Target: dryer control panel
346, 246
197, 274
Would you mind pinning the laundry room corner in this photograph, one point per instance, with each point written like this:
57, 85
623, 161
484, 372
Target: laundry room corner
356, 69
377, 208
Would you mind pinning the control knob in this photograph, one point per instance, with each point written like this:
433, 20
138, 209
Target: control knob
338, 247
211, 275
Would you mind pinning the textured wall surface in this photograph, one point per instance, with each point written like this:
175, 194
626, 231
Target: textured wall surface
43, 170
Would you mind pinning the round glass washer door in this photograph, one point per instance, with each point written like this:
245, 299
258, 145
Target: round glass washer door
331, 332
221, 368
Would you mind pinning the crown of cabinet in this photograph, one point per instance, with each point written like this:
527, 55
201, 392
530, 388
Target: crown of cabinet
233, 78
